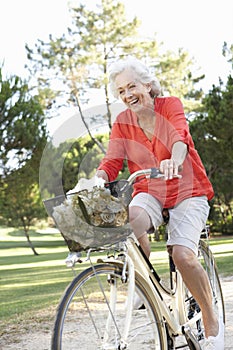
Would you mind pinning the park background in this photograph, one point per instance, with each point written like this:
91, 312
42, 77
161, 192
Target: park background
52, 134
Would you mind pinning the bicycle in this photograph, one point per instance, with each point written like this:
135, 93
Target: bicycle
98, 309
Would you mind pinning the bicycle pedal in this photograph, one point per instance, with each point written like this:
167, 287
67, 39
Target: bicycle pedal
191, 339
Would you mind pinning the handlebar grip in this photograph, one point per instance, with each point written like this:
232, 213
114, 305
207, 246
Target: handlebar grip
156, 173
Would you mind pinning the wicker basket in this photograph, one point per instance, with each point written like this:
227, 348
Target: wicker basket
90, 219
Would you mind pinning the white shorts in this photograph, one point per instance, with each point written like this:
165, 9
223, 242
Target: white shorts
187, 219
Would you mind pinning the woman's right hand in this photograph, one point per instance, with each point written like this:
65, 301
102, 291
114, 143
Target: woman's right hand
102, 174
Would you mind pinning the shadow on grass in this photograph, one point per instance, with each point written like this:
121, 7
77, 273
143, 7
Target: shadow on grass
31, 232
30, 258
36, 244
47, 240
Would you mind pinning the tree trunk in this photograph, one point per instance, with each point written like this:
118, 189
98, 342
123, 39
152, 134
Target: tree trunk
29, 241
76, 96
88, 130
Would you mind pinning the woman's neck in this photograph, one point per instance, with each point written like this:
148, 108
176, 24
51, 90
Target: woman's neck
147, 124
146, 111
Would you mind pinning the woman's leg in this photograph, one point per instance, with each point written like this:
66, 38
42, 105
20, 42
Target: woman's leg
144, 213
196, 280
140, 223
187, 220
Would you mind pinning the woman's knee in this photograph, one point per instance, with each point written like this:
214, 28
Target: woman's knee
183, 256
137, 214
139, 220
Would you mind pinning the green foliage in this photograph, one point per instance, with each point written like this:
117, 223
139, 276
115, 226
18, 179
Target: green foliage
81, 160
23, 135
228, 52
21, 202
62, 166
175, 72
22, 123
212, 131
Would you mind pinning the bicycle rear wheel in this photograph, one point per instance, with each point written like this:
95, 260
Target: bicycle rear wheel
92, 314
206, 259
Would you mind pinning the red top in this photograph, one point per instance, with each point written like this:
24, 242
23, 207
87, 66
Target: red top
128, 141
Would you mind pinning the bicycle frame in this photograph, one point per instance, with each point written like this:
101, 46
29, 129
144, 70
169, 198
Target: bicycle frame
171, 312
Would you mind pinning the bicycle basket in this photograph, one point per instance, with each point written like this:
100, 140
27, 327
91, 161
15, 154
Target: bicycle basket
93, 219
120, 189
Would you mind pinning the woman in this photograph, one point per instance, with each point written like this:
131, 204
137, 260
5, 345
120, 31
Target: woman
153, 132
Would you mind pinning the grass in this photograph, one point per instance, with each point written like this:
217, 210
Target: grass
30, 284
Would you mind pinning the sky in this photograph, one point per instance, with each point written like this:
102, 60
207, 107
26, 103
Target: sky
199, 26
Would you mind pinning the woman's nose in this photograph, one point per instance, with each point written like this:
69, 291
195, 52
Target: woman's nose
128, 93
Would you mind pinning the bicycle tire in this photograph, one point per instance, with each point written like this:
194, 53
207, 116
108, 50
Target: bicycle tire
192, 308
83, 311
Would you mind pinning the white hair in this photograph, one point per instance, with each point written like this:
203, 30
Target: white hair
143, 72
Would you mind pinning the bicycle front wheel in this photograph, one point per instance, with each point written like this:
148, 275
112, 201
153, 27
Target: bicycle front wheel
92, 314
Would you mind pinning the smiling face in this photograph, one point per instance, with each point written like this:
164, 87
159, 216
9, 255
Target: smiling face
132, 92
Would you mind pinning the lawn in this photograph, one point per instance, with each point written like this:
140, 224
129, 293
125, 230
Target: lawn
29, 283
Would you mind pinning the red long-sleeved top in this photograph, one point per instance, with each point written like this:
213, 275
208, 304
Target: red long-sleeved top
128, 141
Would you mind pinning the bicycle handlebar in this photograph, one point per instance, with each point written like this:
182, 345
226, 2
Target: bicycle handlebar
152, 173
126, 184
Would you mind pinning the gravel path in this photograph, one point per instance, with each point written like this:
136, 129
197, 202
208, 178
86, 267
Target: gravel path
36, 334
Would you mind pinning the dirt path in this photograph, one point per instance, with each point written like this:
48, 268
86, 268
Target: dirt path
35, 334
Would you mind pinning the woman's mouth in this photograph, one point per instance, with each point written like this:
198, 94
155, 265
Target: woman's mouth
133, 102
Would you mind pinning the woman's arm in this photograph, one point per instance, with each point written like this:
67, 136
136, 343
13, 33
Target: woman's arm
172, 166
179, 152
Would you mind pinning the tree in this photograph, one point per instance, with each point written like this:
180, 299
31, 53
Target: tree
79, 60
175, 72
23, 137
22, 125
212, 131
21, 202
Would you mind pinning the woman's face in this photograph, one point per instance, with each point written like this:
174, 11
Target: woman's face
132, 92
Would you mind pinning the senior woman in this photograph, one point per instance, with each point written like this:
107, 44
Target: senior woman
153, 132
